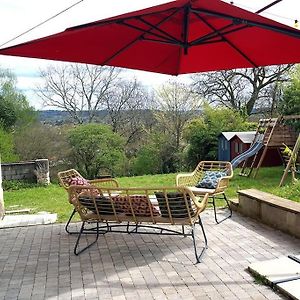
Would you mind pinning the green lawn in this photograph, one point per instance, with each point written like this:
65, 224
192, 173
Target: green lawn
53, 198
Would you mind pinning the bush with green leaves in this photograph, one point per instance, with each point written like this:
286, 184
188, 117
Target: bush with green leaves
202, 133
159, 155
95, 148
147, 161
14, 185
14, 107
7, 153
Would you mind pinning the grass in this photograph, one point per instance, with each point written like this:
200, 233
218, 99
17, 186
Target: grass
53, 198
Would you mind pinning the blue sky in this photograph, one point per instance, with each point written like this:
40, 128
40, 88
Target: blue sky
17, 16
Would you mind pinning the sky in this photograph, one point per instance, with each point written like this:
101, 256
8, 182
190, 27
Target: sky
17, 16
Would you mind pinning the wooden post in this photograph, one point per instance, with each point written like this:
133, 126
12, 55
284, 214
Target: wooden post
2, 210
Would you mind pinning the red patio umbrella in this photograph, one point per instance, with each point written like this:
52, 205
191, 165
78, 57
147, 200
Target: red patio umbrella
179, 37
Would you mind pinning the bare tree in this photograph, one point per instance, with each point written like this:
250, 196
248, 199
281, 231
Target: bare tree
242, 89
176, 105
126, 104
77, 88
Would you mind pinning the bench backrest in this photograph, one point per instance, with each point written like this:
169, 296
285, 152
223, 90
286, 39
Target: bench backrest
171, 205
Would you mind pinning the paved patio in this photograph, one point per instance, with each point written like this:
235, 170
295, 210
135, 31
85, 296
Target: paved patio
37, 262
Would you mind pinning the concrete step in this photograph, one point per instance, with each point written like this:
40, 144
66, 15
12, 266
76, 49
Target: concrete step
281, 273
27, 220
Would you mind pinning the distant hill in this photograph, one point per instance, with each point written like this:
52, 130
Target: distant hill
59, 117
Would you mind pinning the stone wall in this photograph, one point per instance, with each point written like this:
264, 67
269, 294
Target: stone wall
280, 213
37, 170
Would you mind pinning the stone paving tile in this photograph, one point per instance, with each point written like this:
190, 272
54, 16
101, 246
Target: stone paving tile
37, 262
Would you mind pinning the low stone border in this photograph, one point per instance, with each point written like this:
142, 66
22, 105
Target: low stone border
280, 213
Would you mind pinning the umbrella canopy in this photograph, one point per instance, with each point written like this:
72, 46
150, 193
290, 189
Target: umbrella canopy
179, 37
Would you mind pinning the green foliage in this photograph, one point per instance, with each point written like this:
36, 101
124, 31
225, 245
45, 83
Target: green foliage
14, 107
7, 147
8, 117
14, 185
158, 156
202, 133
96, 147
290, 104
147, 161
45, 142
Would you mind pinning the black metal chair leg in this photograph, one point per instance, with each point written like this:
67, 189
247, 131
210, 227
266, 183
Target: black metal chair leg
68, 223
79, 236
199, 256
215, 209
203, 232
183, 231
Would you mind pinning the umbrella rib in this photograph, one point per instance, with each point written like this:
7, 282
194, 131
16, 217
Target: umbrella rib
160, 30
151, 33
160, 41
197, 41
135, 40
210, 35
287, 31
229, 42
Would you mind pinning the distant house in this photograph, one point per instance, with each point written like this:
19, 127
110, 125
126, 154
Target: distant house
233, 143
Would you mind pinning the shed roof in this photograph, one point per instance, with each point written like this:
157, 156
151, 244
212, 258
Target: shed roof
245, 136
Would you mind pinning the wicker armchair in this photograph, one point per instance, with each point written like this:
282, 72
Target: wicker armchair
196, 182
66, 179
137, 210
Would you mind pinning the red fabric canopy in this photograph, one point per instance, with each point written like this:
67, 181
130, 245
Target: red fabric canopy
184, 36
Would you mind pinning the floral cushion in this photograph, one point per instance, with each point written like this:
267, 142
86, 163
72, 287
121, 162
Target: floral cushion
77, 181
141, 207
211, 179
177, 205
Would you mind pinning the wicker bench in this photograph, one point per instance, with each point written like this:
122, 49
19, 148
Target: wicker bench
137, 210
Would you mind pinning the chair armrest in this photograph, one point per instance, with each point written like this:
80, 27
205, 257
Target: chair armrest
223, 184
186, 179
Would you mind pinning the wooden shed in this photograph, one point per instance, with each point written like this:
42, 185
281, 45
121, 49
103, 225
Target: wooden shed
233, 143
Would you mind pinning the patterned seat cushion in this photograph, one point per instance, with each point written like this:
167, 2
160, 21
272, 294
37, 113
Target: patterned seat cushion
177, 205
140, 205
211, 179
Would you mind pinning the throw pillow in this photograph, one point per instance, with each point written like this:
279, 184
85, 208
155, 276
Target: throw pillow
177, 205
80, 181
211, 179
77, 181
